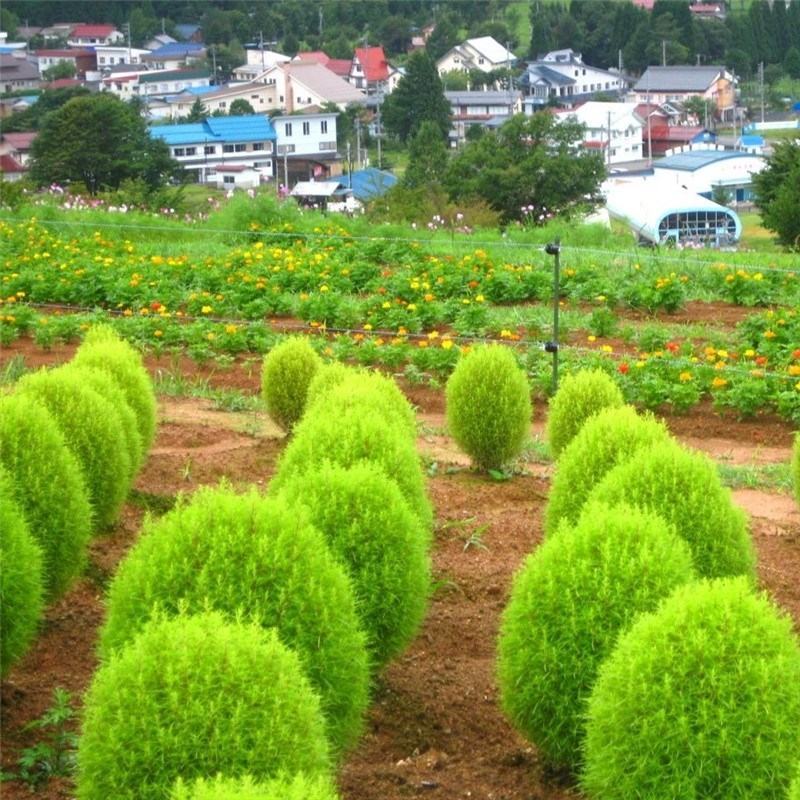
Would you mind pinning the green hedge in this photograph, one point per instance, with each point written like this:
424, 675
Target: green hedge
285, 376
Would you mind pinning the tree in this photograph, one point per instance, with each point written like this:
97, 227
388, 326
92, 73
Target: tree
777, 189
395, 34
444, 37
241, 106
417, 97
61, 69
531, 168
791, 62
197, 113
100, 141
427, 157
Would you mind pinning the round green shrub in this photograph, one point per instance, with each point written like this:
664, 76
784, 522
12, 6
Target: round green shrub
796, 466
356, 434
191, 696
579, 397
794, 789
93, 433
489, 406
608, 438
104, 350
684, 488
104, 384
334, 388
246, 553
699, 699
285, 376
48, 488
379, 540
21, 585
300, 787
569, 603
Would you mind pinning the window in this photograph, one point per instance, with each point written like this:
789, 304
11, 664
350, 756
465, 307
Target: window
229, 179
190, 151
227, 148
258, 145
222, 104
255, 97
323, 126
102, 59
239, 148
178, 151
481, 60
281, 98
306, 128
209, 149
287, 128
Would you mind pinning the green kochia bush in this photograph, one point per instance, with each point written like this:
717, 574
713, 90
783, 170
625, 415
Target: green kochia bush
684, 488
299, 787
48, 488
104, 384
21, 587
93, 432
372, 531
103, 349
489, 406
356, 434
794, 789
246, 553
580, 396
607, 439
699, 699
796, 466
285, 376
570, 601
191, 696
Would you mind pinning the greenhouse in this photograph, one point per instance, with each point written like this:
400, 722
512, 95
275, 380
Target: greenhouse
662, 214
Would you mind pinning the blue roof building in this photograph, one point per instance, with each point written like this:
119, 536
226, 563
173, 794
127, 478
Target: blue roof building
369, 183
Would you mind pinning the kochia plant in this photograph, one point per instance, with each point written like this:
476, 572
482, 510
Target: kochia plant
246, 553
191, 696
684, 488
796, 466
48, 488
606, 439
794, 789
489, 406
93, 432
285, 376
21, 586
698, 699
299, 787
580, 396
380, 541
571, 600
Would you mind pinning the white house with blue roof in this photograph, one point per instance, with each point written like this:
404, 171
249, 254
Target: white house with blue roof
205, 147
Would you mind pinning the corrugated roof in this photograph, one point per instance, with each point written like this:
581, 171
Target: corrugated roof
481, 98
490, 48
320, 80
370, 183
176, 49
93, 30
173, 75
678, 79
692, 160
246, 128
315, 188
547, 74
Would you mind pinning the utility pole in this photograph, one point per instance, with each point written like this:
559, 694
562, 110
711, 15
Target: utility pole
320, 21
127, 29
261, 46
378, 131
649, 130
213, 64
761, 86
349, 167
608, 154
358, 142
733, 89
663, 52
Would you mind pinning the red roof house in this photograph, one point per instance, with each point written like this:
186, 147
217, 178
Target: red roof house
94, 35
369, 68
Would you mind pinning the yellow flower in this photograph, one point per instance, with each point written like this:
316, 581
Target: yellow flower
479, 298
231, 329
685, 377
794, 369
210, 337
446, 344
433, 335
718, 383
607, 348
422, 343
158, 334
591, 338
367, 326
749, 353
206, 309
769, 334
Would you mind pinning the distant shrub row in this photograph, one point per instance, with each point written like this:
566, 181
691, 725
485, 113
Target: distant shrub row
634, 650
243, 630
72, 440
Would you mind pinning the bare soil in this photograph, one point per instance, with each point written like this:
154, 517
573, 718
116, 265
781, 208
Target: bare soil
434, 726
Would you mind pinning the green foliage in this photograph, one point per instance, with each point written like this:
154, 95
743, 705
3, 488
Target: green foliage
570, 601
53, 756
93, 432
21, 586
240, 106
489, 406
777, 189
528, 170
608, 438
265, 559
48, 488
371, 530
98, 140
103, 349
357, 434
699, 699
299, 787
796, 466
104, 384
579, 397
191, 696
794, 789
427, 156
285, 376
684, 488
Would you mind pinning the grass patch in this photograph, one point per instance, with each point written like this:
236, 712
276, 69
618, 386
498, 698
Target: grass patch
765, 477
156, 504
755, 236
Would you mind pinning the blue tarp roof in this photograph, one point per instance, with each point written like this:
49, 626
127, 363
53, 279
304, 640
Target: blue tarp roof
751, 140
370, 183
246, 128
177, 49
695, 159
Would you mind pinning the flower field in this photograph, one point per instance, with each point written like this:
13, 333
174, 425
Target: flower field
396, 553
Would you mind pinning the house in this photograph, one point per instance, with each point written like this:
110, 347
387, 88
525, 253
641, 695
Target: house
82, 60
306, 147
189, 32
613, 129
94, 36
666, 84
202, 148
311, 84
484, 54
349, 193
323, 195
476, 108
239, 176
419, 39
215, 99
174, 56
338, 66
16, 73
717, 9
11, 169
159, 40
259, 57
562, 77
154, 84
119, 54
17, 145
370, 71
